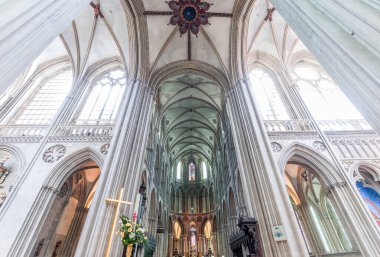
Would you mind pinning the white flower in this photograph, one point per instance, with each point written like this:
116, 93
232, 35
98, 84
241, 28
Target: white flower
142, 230
132, 235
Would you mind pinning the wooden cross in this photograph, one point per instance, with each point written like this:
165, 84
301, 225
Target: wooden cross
118, 201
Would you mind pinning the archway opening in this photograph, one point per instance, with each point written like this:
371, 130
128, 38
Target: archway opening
369, 188
61, 230
321, 225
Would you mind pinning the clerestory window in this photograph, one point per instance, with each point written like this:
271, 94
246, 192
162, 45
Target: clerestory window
267, 95
43, 104
322, 96
103, 102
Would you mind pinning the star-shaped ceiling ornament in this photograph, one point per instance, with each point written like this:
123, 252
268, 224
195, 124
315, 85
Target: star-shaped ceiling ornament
189, 15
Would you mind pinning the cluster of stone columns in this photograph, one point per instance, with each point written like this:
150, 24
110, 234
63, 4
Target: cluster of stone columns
343, 36
200, 203
348, 52
122, 166
27, 27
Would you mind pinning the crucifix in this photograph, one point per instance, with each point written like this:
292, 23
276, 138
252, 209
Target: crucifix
117, 201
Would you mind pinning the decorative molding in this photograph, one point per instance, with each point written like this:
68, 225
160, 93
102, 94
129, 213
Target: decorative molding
54, 153
347, 164
320, 146
276, 147
189, 15
293, 136
104, 148
52, 189
337, 184
21, 139
55, 139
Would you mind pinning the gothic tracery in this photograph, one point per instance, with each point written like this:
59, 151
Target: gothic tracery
256, 138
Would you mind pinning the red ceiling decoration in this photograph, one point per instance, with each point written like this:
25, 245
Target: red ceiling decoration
189, 15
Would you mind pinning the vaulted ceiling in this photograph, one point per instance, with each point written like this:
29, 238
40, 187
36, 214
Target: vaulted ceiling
211, 45
191, 104
98, 36
269, 34
190, 107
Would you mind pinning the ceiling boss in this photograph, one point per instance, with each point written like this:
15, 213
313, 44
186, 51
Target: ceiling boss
189, 15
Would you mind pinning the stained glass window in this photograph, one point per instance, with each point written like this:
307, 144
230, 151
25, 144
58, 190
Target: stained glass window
191, 171
41, 106
322, 96
105, 97
371, 197
267, 96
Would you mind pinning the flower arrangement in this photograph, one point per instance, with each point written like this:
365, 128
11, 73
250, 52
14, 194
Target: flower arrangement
130, 232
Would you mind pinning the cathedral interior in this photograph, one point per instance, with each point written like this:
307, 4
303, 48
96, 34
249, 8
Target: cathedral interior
234, 128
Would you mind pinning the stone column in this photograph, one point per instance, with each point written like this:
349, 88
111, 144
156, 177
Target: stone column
208, 244
234, 222
174, 208
171, 245
343, 35
208, 207
121, 170
226, 240
27, 27
356, 214
214, 244
180, 204
200, 246
71, 240
185, 246
365, 230
267, 199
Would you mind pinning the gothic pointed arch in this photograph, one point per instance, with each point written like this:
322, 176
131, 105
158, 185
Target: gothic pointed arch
12, 163
308, 182
58, 184
64, 169
300, 153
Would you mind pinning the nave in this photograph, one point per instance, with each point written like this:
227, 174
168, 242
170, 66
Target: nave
189, 128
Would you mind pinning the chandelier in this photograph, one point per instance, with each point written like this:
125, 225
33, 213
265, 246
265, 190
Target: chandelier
189, 15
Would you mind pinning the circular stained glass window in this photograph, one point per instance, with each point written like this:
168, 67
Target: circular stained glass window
189, 13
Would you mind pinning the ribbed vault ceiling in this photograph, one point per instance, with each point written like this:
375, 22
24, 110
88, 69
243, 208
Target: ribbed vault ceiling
94, 38
271, 35
190, 108
190, 104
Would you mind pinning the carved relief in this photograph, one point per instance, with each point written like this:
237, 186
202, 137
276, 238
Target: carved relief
276, 147
54, 153
320, 146
104, 149
8, 174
